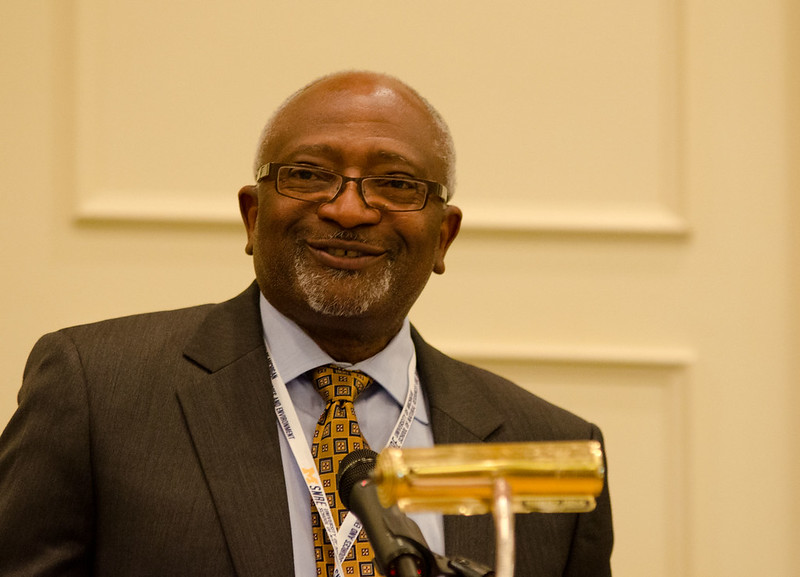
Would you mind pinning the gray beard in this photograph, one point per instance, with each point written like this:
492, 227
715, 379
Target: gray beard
360, 299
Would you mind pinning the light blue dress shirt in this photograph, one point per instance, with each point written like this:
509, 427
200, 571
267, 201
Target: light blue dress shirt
294, 355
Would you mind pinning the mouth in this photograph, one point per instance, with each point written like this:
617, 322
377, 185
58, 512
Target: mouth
345, 254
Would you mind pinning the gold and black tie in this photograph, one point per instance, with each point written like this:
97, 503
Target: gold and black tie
337, 434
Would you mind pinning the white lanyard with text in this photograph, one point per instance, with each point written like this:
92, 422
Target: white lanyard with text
342, 540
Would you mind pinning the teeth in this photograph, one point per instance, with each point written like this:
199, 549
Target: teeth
342, 252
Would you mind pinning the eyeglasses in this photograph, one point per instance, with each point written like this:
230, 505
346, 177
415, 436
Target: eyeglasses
390, 193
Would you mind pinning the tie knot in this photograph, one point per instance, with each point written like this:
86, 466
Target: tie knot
337, 384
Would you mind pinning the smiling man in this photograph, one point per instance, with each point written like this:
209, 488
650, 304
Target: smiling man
205, 441
347, 261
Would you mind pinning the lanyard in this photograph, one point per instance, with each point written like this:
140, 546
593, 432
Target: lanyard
342, 540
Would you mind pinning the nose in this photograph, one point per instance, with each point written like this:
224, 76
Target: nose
348, 208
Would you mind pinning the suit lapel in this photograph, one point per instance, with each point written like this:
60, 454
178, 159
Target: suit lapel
230, 416
460, 413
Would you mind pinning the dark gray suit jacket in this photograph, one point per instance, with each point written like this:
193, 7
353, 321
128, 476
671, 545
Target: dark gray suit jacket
148, 446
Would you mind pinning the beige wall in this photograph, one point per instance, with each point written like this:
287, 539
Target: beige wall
629, 176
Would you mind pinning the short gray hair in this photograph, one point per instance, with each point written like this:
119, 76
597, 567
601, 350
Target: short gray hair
444, 143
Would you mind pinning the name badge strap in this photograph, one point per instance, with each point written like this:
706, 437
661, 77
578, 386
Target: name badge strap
301, 450
409, 410
343, 539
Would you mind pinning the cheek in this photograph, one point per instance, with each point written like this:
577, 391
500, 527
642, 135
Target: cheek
274, 222
425, 241
417, 232
422, 246
267, 239
278, 231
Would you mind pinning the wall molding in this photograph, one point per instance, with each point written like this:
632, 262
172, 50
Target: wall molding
169, 206
533, 354
658, 221
166, 206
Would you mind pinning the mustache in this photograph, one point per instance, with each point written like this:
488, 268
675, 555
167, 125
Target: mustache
348, 235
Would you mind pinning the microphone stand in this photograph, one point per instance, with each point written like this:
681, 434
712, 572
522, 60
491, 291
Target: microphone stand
460, 567
503, 527
417, 559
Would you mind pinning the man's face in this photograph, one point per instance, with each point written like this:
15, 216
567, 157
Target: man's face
342, 259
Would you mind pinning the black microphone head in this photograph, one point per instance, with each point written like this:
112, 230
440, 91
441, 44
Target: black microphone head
354, 468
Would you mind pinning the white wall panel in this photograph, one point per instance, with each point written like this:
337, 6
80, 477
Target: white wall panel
589, 119
639, 397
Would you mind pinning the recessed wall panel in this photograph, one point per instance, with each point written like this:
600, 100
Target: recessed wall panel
566, 115
640, 404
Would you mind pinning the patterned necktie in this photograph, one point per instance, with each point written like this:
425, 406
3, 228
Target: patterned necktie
337, 433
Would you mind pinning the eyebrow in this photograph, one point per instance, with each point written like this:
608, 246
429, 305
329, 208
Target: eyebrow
386, 155
328, 150
325, 149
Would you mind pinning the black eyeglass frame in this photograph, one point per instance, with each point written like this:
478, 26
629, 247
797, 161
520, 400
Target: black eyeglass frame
270, 171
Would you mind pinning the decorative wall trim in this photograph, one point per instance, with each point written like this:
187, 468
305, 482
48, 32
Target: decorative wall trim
164, 207
653, 222
172, 207
652, 358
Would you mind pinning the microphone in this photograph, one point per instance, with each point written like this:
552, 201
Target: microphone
399, 546
542, 477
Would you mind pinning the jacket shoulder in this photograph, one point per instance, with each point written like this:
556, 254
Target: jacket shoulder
142, 326
158, 339
525, 416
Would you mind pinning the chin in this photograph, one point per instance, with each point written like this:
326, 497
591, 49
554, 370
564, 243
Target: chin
342, 293
339, 309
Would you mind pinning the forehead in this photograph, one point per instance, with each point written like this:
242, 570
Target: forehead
357, 121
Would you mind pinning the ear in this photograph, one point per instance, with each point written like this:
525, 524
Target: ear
248, 207
448, 230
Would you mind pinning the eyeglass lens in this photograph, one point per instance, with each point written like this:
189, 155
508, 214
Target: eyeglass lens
390, 193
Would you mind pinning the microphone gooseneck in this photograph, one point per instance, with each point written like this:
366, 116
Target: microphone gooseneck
397, 542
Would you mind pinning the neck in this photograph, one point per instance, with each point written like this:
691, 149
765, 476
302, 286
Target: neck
349, 349
349, 340
350, 352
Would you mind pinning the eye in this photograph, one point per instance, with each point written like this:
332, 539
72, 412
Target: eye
305, 180
395, 183
302, 173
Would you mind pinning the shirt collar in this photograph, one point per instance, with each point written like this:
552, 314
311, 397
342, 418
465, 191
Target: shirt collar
294, 353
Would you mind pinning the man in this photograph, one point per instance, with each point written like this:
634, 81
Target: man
165, 444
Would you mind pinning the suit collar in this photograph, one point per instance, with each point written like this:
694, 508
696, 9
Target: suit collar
230, 331
460, 412
229, 413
